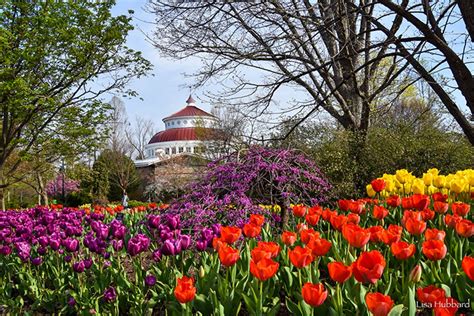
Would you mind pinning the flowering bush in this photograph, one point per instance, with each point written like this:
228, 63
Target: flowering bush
236, 184
401, 255
54, 187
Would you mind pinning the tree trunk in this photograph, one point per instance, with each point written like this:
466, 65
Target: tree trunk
467, 11
285, 212
357, 144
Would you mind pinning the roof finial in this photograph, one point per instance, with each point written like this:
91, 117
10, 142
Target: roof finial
190, 100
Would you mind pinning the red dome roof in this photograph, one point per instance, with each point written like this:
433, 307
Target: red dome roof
189, 110
175, 134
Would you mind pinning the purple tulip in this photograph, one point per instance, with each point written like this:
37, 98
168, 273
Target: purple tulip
23, 249
71, 245
185, 241
107, 264
36, 261
150, 280
138, 244
71, 301
42, 250
201, 245
173, 221
43, 241
154, 221
110, 294
171, 247
157, 255
55, 243
107, 255
118, 230
5, 250
67, 258
117, 244
88, 263
79, 267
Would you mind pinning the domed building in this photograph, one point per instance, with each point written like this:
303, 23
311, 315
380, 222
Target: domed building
185, 131
178, 154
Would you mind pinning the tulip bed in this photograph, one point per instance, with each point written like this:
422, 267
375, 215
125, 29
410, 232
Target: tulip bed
398, 255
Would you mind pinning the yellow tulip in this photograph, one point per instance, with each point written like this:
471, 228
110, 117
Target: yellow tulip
432, 190
370, 191
403, 175
418, 187
433, 171
439, 181
389, 185
457, 185
428, 178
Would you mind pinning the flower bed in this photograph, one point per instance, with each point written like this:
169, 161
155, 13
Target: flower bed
398, 255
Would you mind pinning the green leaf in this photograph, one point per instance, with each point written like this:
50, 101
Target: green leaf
397, 310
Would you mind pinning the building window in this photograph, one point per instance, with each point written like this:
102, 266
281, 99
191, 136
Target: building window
181, 149
172, 123
179, 122
173, 150
188, 149
167, 151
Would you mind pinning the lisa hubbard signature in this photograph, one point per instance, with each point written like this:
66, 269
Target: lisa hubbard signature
445, 304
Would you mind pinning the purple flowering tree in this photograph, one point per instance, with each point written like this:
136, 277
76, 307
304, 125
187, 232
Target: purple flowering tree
235, 184
54, 187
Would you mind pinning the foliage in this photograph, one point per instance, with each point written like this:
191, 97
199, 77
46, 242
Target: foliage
244, 179
58, 60
55, 187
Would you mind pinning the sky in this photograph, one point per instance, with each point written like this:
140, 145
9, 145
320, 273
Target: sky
165, 90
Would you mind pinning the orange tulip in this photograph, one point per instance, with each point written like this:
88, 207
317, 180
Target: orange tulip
433, 233
402, 250
319, 246
344, 204
257, 219
327, 214
378, 185
357, 207
299, 210
369, 267
420, 201
338, 221
251, 230
447, 306
185, 290
465, 228
378, 304
379, 212
468, 266
434, 249
375, 233
430, 294
314, 294
355, 235
300, 257
312, 219
339, 272
217, 243
394, 201
353, 218
307, 234
228, 255
272, 247
392, 234
440, 207
288, 238
415, 227
230, 234
263, 269
460, 209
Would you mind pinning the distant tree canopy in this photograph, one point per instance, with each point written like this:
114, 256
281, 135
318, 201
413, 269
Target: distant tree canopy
58, 59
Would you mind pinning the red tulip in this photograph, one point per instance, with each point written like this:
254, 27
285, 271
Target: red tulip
378, 304
319, 246
327, 214
288, 238
447, 306
392, 234
300, 257
257, 219
420, 201
407, 203
433, 233
355, 235
430, 294
402, 250
468, 266
451, 220
339, 272
465, 228
440, 207
299, 210
251, 230
394, 201
312, 219
379, 212
338, 221
185, 290
230, 234
344, 205
217, 243
378, 185
415, 227
307, 234
369, 267
263, 269
228, 255
434, 249
439, 197
356, 207
272, 247
375, 233
427, 214
353, 218
314, 294
316, 209
259, 253
460, 209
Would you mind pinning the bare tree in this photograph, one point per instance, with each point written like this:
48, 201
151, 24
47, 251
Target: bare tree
139, 135
118, 127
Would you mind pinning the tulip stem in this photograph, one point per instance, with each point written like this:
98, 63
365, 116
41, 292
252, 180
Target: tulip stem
260, 300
